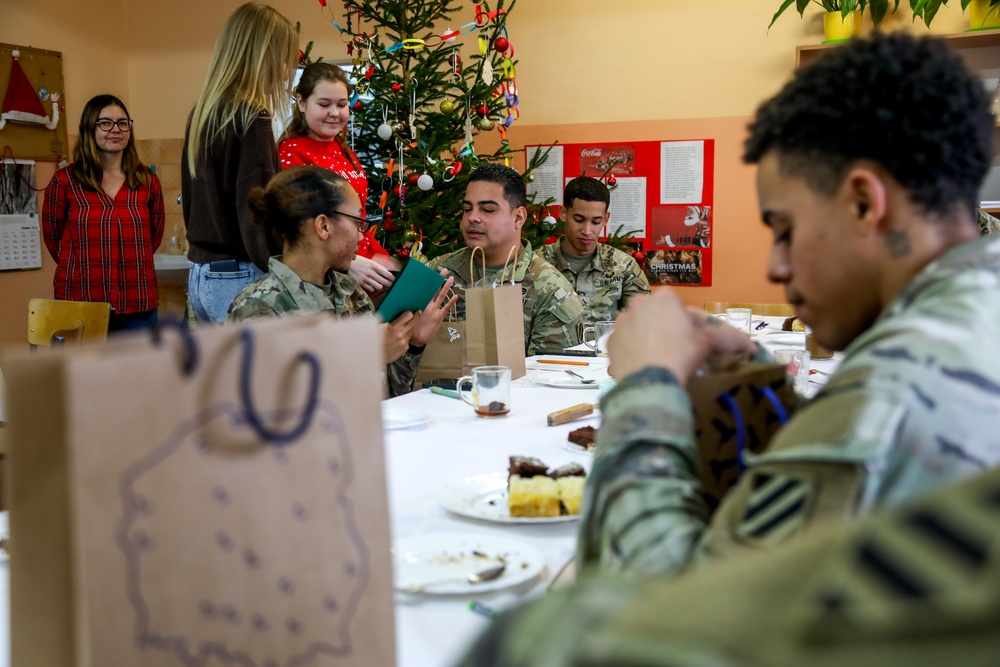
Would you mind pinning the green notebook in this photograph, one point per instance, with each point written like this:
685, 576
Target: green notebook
413, 289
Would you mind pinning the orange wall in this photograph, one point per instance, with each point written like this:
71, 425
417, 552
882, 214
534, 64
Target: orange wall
589, 71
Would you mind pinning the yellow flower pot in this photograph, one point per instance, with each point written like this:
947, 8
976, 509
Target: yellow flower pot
841, 29
982, 16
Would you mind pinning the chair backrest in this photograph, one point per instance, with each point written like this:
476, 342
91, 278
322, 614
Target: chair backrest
763, 309
50, 319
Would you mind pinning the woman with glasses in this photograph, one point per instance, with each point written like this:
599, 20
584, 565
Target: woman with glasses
102, 219
316, 135
229, 150
317, 216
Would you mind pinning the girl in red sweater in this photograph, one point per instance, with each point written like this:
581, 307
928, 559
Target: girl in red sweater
315, 135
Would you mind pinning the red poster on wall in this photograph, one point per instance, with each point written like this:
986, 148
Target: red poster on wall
661, 195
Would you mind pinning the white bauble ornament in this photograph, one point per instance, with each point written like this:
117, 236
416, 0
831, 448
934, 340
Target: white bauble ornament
549, 220
384, 131
425, 182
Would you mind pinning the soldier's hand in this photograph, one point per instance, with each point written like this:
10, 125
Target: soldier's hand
723, 340
396, 337
433, 315
657, 331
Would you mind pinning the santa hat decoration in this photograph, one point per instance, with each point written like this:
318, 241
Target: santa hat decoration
21, 104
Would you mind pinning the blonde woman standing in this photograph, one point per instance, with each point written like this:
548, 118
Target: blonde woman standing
229, 150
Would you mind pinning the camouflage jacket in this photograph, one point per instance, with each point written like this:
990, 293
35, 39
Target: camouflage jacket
910, 409
281, 292
552, 312
605, 284
915, 587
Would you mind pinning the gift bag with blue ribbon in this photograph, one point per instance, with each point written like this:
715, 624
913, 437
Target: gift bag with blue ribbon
214, 497
737, 409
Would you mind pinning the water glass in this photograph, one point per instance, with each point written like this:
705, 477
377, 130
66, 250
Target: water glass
601, 331
797, 363
739, 318
490, 390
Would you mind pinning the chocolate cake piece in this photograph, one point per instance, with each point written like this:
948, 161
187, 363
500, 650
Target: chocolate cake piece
584, 437
526, 466
568, 470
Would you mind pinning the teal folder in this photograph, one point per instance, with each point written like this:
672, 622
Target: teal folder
413, 289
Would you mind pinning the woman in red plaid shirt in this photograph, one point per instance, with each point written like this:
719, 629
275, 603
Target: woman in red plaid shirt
102, 219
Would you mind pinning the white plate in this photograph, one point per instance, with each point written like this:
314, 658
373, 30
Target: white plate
577, 449
566, 383
403, 417
423, 559
485, 497
786, 338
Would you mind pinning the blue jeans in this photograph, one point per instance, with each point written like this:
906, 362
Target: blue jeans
211, 292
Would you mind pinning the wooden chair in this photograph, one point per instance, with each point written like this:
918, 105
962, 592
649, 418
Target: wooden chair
53, 322
763, 309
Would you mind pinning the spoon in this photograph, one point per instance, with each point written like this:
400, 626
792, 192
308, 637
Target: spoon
489, 574
582, 380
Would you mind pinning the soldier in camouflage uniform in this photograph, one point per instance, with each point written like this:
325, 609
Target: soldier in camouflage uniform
604, 277
494, 213
305, 207
918, 586
883, 261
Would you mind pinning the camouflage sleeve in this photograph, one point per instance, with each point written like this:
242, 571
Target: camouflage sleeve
643, 510
553, 315
401, 373
635, 283
250, 309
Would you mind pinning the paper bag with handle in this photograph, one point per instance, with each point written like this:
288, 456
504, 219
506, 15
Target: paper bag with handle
737, 407
217, 497
492, 333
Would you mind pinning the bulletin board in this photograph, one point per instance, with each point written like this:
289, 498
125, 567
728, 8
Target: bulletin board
660, 190
31, 141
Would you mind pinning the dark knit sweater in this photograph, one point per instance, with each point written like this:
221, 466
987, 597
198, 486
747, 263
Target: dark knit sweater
216, 214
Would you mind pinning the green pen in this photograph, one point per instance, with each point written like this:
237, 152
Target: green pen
450, 393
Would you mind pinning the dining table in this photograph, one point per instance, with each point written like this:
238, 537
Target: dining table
446, 471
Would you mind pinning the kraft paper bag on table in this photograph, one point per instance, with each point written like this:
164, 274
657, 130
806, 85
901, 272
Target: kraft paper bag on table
736, 407
218, 498
492, 333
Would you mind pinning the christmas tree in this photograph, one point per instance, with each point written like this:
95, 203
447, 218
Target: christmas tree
425, 93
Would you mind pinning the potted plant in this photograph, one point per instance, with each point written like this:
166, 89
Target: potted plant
840, 13
983, 14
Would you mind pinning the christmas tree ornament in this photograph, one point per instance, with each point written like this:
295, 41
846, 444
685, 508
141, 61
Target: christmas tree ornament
477, 2
529, 177
396, 87
385, 131
446, 106
404, 253
612, 181
501, 44
412, 179
640, 257
482, 110
485, 124
395, 189
456, 63
425, 182
409, 236
399, 128
549, 220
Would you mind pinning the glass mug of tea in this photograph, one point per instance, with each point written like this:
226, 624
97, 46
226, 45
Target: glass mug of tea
490, 390
601, 331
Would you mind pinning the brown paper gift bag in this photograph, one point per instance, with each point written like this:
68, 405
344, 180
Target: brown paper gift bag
492, 333
737, 407
218, 498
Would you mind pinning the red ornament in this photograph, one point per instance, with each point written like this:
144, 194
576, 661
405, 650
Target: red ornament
640, 258
388, 224
612, 181
501, 44
301, 55
396, 87
404, 253
412, 179
482, 110
395, 189
357, 105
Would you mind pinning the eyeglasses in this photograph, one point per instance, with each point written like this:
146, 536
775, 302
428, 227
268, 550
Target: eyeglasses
362, 223
106, 124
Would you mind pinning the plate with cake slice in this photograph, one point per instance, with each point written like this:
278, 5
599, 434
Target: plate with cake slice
527, 493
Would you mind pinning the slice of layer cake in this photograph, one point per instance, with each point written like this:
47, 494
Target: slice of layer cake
536, 496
